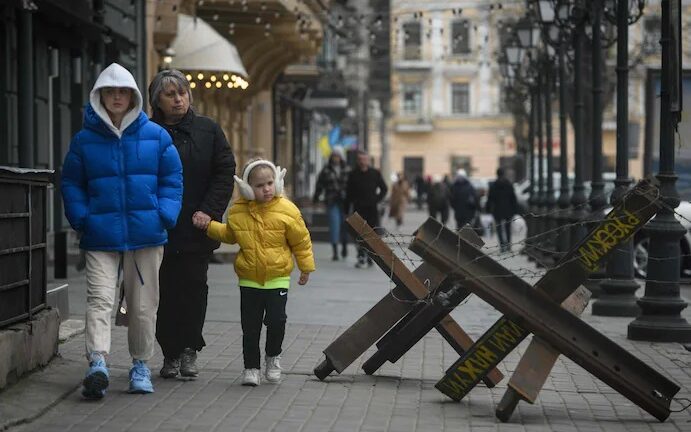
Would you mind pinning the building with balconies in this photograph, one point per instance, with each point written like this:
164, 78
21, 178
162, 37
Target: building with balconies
446, 104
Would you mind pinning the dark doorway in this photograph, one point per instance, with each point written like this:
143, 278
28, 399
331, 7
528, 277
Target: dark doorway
413, 167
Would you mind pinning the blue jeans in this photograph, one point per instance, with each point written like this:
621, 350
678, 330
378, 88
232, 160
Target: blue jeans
335, 221
504, 232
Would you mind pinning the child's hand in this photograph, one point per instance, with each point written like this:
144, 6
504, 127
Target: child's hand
304, 277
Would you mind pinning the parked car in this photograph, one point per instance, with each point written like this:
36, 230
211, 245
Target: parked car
522, 188
641, 241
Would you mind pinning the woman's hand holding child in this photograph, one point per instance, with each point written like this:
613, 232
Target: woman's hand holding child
201, 220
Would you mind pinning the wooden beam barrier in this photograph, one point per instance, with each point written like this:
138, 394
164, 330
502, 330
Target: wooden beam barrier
536, 363
536, 309
389, 311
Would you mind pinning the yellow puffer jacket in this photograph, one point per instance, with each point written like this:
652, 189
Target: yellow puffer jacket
269, 234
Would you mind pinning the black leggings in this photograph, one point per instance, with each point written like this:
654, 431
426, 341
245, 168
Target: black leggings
259, 306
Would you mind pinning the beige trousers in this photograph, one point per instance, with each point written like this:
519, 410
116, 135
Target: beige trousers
140, 276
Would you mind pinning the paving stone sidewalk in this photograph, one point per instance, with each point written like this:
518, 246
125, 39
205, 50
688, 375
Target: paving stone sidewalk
399, 397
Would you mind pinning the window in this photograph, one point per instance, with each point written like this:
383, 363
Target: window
503, 102
412, 99
461, 162
413, 167
460, 98
412, 49
460, 37
651, 34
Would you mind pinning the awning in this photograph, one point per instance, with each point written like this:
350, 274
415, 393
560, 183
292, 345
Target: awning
198, 47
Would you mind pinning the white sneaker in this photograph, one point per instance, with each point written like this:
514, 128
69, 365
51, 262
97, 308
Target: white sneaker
250, 377
272, 372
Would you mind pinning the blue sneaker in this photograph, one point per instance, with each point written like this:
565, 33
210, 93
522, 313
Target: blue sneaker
140, 378
96, 380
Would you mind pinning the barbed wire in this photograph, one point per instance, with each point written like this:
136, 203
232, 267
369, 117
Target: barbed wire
542, 242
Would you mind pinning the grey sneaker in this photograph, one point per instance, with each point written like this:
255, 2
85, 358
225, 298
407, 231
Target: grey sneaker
171, 368
188, 365
272, 371
250, 377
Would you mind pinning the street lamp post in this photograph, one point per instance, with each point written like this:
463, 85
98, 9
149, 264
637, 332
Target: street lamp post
618, 296
528, 35
556, 36
564, 197
597, 186
572, 13
532, 192
661, 306
516, 73
550, 200
538, 252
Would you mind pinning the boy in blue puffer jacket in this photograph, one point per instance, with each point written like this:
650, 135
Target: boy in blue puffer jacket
122, 188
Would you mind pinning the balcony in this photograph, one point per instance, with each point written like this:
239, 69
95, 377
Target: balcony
411, 59
414, 125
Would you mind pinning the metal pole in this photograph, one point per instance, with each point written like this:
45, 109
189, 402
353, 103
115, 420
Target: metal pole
661, 305
578, 199
550, 200
100, 18
142, 59
597, 186
542, 199
25, 102
618, 297
385, 153
531, 187
564, 198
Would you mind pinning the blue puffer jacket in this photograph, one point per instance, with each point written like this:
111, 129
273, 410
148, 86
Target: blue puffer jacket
121, 193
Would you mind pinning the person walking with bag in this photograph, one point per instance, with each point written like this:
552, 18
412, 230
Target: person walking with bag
270, 231
122, 188
331, 183
502, 205
208, 168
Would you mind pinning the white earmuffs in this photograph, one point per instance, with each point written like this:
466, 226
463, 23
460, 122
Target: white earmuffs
245, 187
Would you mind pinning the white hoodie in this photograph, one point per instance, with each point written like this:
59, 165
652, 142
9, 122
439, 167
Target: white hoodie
116, 76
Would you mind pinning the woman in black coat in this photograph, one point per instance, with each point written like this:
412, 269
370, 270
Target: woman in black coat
208, 168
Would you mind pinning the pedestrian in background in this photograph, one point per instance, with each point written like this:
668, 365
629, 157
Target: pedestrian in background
208, 168
122, 188
365, 190
331, 182
502, 205
420, 190
400, 194
270, 231
438, 200
464, 199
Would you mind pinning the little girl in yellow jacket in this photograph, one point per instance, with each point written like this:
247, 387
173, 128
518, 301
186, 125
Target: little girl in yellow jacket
270, 230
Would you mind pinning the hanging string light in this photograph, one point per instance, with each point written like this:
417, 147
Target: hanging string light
215, 82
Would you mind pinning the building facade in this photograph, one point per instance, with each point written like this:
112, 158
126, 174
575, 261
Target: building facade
51, 54
446, 104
